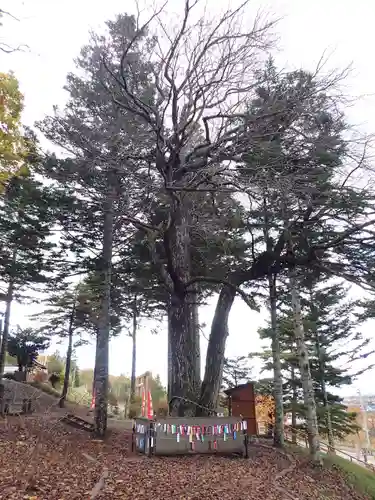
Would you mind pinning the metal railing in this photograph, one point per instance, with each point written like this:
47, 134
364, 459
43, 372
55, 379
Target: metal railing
327, 447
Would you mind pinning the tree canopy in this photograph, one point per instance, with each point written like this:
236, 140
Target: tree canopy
193, 167
13, 144
25, 345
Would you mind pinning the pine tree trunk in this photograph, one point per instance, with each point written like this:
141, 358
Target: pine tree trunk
169, 388
307, 383
68, 356
184, 376
101, 358
134, 351
321, 366
4, 342
184, 334
196, 333
278, 437
321, 369
331, 437
216, 350
294, 406
94, 374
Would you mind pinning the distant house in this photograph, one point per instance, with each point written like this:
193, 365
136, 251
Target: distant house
142, 383
37, 372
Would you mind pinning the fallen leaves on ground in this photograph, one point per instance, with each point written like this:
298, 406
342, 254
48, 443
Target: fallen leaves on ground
42, 458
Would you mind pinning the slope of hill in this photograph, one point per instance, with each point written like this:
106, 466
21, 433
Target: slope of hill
43, 459
17, 391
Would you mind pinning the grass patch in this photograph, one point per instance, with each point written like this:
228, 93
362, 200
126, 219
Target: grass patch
76, 396
362, 479
359, 477
43, 386
295, 448
80, 396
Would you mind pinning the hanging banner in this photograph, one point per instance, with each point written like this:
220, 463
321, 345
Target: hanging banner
150, 411
92, 406
143, 412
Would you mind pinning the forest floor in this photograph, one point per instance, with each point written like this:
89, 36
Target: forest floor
42, 458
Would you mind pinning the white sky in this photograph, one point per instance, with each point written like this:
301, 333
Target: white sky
56, 30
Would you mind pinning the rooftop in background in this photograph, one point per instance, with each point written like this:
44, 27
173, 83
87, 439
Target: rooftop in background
36, 364
231, 390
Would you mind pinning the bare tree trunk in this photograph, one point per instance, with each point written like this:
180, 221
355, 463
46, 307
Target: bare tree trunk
321, 367
194, 326
278, 437
101, 359
331, 438
94, 374
307, 384
68, 355
184, 334
134, 351
185, 378
4, 343
216, 350
169, 389
294, 406
196, 333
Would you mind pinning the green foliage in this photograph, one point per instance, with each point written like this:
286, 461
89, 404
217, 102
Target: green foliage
79, 395
112, 400
135, 407
120, 387
65, 309
158, 392
25, 345
264, 387
236, 371
87, 378
77, 377
334, 343
88, 306
45, 388
55, 363
28, 210
287, 154
359, 477
344, 422
13, 146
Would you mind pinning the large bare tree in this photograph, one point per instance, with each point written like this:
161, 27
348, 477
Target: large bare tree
203, 72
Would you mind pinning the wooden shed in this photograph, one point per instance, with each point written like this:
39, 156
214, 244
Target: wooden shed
241, 402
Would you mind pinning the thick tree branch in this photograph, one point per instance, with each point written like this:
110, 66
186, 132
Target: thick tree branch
206, 279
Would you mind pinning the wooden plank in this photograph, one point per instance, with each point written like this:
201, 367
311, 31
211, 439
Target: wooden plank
78, 422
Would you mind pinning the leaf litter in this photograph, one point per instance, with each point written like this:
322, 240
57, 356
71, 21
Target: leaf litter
41, 458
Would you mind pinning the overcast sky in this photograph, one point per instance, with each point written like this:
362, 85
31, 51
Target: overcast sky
54, 32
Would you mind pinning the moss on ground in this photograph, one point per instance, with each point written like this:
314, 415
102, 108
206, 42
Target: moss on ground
362, 479
48, 389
